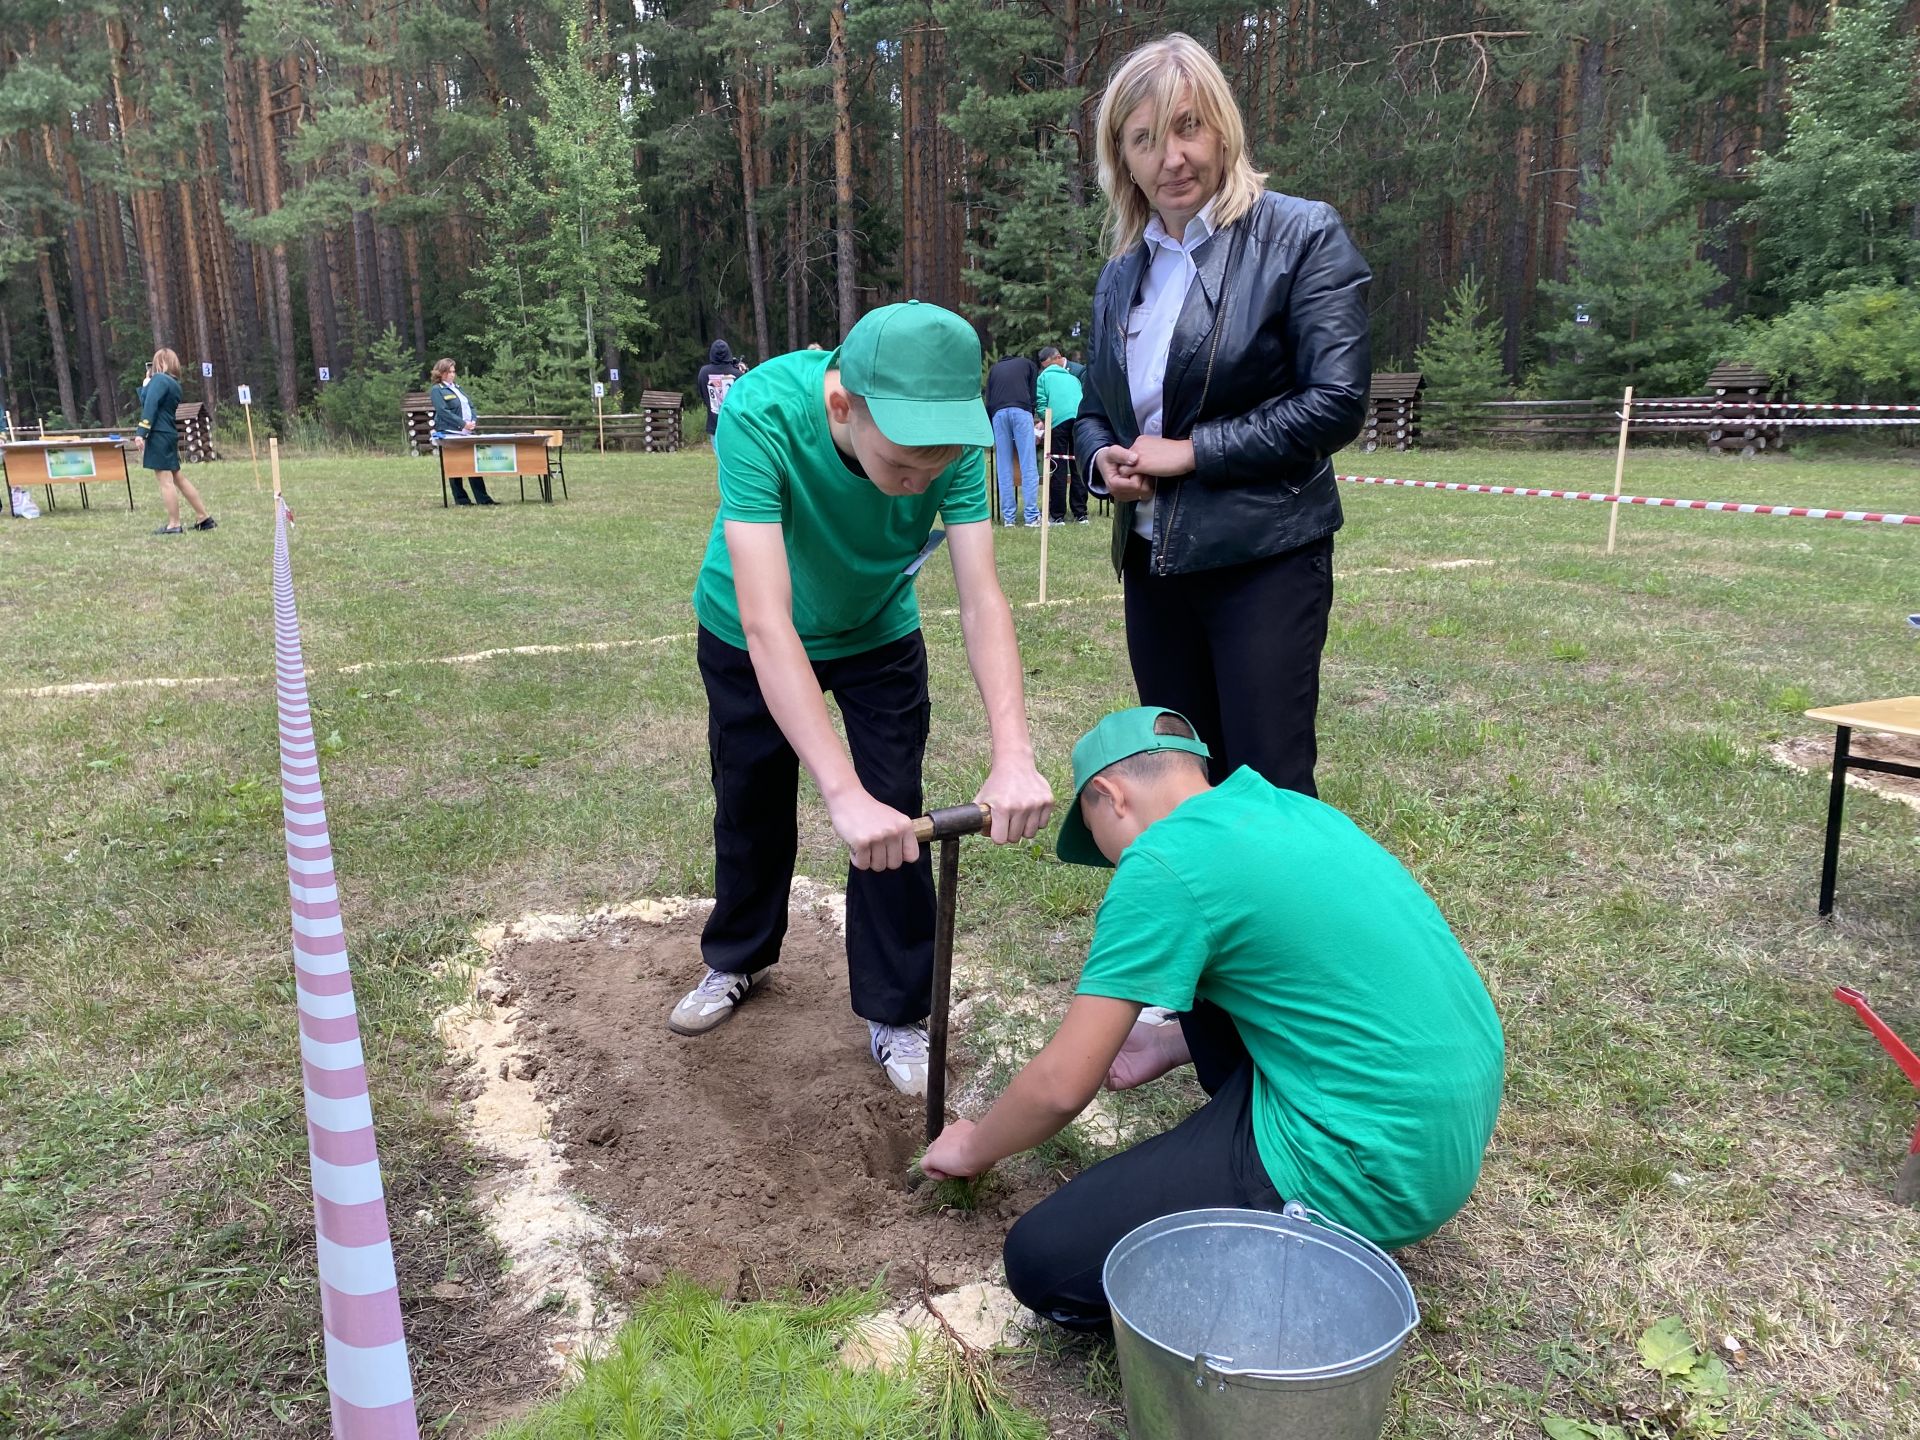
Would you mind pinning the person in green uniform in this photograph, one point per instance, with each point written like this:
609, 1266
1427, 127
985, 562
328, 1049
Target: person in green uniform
1351, 1053
833, 468
1060, 391
159, 442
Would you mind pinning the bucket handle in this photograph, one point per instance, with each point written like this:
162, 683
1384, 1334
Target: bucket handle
1212, 1367
1294, 1210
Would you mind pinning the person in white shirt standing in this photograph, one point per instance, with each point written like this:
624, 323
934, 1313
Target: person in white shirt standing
1229, 359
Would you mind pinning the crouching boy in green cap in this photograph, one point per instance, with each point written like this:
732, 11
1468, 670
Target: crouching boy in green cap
833, 467
1351, 1054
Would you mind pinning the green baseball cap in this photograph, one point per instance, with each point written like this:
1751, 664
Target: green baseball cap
1120, 736
918, 368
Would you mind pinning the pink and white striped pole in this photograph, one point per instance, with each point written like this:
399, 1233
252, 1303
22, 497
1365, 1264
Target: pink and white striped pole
368, 1378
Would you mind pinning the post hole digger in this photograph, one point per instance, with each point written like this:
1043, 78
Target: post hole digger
1906, 1188
946, 826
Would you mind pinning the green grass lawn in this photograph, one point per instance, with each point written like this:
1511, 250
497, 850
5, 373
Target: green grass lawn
1569, 749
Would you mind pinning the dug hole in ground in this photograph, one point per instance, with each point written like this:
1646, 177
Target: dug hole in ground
768, 1156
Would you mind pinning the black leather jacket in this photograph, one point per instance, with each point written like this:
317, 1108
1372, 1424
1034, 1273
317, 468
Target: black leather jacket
1278, 320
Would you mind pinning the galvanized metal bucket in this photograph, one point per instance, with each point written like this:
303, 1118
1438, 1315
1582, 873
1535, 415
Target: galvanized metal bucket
1245, 1325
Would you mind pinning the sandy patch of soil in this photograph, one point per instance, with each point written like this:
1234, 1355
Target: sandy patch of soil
1816, 757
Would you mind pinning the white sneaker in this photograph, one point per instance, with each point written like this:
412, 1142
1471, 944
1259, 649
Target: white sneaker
902, 1053
712, 1001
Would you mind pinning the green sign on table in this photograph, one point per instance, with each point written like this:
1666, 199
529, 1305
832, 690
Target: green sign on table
493, 460
70, 464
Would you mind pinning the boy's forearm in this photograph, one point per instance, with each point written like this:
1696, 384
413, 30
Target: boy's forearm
993, 654
1029, 1112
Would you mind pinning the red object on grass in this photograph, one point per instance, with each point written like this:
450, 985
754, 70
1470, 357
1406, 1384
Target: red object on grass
1907, 1188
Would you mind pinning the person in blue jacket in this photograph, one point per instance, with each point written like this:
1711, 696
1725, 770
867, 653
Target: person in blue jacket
453, 415
159, 442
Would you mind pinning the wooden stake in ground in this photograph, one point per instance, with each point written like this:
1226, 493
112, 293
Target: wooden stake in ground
599, 412
1619, 466
273, 464
246, 404
1046, 498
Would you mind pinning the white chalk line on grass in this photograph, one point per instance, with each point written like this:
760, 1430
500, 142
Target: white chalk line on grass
578, 647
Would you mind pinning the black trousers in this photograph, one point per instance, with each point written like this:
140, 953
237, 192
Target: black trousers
1055, 1252
756, 782
1236, 651
1065, 484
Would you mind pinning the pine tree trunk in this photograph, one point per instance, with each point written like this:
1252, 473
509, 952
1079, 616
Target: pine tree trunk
1565, 178
56, 327
844, 254
1518, 266
149, 241
1592, 110
745, 102
190, 234
282, 284
90, 295
243, 188
796, 246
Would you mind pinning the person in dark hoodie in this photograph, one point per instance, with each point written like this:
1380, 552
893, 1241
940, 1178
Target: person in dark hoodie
720, 371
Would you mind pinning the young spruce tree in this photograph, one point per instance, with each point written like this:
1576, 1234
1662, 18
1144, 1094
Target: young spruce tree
1039, 258
1461, 356
1638, 276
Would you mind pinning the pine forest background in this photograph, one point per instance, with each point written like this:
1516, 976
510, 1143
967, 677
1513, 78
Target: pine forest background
547, 191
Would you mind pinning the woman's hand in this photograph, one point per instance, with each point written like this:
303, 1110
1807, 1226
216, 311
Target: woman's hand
1155, 455
1117, 474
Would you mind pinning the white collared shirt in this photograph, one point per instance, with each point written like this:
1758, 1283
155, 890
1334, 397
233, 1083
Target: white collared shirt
1150, 325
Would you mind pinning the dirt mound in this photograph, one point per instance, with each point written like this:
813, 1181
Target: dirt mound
768, 1154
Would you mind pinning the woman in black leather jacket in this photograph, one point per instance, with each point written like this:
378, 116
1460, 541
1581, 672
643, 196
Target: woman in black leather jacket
1229, 360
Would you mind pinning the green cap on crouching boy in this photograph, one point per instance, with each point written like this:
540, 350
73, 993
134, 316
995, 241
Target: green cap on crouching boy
1120, 736
918, 368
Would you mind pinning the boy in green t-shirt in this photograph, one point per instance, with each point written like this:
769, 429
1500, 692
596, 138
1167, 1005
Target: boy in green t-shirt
1352, 1056
833, 468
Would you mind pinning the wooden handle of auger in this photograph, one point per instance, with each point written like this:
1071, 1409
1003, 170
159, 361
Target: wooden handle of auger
954, 820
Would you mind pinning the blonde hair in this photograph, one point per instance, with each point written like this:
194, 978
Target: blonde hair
440, 369
167, 363
1162, 72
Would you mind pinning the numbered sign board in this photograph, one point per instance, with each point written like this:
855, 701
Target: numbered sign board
613, 377
246, 395
599, 391
325, 374
206, 369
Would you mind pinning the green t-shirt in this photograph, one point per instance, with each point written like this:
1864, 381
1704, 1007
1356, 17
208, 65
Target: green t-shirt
1377, 1055
847, 543
1061, 389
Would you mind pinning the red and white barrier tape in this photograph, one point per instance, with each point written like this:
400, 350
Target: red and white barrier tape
1768, 422
1731, 405
368, 1379
1870, 517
